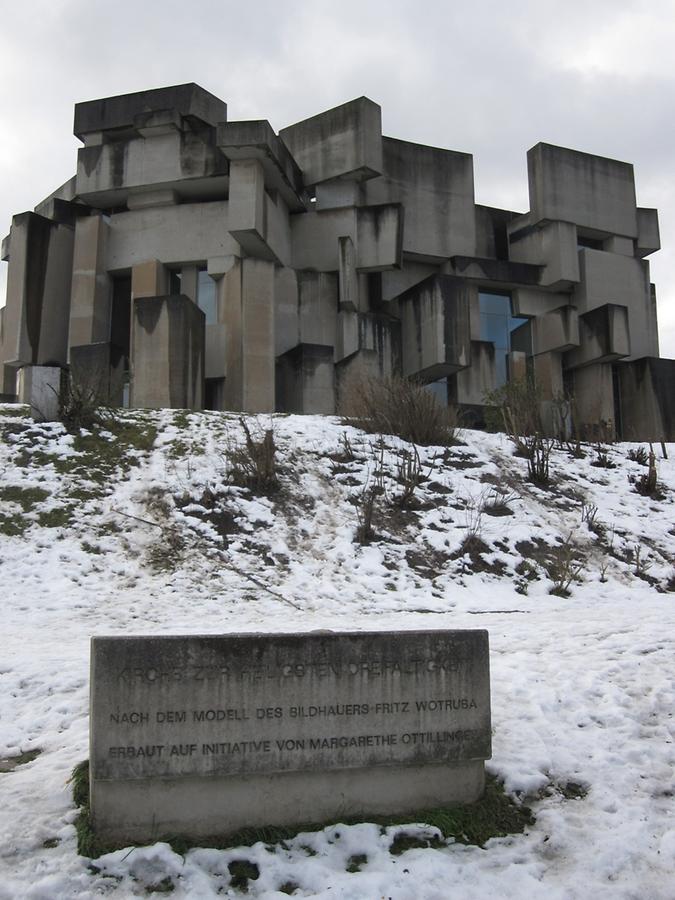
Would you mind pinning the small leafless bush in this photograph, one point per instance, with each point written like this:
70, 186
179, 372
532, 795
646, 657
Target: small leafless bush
410, 475
538, 452
589, 513
564, 567
253, 463
496, 501
79, 405
397, 406
365, 511
648, 484
639, 455
602, 460
641, 560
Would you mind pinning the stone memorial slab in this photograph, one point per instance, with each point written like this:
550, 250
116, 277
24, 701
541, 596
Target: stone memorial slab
201, 735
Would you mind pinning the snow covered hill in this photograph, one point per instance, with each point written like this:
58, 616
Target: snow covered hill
146, 526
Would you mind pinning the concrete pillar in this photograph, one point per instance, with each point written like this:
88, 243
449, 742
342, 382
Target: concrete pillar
594, 401
90, 292
257, 330
167, 362
229, 299
246, 207
35, 320
348, 281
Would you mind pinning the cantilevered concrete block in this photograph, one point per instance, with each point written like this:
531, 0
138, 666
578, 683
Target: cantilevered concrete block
256, 140
343, 142
649, 237
127, 111
167, 353
593, 192
555, 331
552, 245
603, 336
435, 327
306, 380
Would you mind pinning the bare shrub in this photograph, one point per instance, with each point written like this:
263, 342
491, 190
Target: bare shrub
497, 499
639, 455
410, 475
538, 452
602, 460
589, 513
365, 511
564, 567
641, 560
79, 405
253, 463
397, 406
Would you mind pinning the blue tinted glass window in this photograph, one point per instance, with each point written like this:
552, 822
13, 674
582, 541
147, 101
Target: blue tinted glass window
497, 325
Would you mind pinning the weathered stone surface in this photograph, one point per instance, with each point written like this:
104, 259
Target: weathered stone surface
202, 735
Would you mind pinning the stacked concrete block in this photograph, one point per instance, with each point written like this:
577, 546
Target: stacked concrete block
333, 249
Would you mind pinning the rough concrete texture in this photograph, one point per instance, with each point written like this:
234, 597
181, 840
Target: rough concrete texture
167, 353
40, 388
322, 235
203, 735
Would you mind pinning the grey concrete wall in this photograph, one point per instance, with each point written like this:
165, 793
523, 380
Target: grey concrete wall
306, 380
647, 399
591, 191
167, 365
594, 401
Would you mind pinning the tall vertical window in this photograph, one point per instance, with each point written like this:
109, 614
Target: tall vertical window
206, 296
498, 326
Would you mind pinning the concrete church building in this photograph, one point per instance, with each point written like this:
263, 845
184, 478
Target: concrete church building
198, 263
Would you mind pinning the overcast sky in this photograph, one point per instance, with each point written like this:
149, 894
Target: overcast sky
489, 78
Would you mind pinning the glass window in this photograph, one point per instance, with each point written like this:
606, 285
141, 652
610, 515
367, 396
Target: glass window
206, 297
500, 327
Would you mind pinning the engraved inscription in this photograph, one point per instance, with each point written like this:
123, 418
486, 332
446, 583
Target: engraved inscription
169, 707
